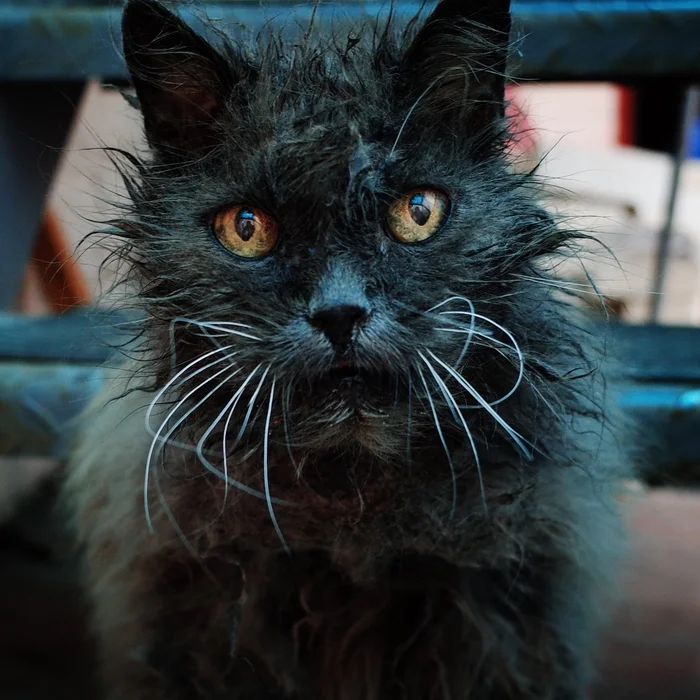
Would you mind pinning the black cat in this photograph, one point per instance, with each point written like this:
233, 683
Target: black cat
379, 462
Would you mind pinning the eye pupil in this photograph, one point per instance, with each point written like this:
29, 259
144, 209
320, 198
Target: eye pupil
419, 213
245, 224
247, 232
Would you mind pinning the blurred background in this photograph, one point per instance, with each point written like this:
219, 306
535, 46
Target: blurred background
605, 102
584, 133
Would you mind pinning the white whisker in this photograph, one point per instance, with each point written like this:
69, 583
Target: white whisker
162, 441
171, 382
441, 437
285, 425
483, 333
166, 439
266, 469
155, 401
228, 481
251, 405
580, 287
516, 348
472, 327
518, 439
204, 325
224, 327
173, 521
444, 302
230, 331
457, 414
409, 418
194, 322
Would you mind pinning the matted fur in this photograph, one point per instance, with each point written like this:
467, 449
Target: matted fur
446, 533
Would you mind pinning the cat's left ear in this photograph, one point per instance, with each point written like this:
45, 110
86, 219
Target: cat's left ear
455, 66
180, 79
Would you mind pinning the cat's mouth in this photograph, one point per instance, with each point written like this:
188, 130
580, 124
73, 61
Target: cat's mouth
345, 371
365, 392
352, 405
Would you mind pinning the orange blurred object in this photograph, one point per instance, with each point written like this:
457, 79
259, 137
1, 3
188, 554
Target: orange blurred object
54, 271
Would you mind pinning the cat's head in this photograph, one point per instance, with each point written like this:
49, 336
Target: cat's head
329, 230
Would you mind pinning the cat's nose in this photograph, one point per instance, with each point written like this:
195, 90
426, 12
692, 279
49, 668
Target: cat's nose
338, 323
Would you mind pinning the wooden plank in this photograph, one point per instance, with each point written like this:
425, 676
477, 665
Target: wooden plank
657, 353
50, 367
558, 40
80, 336
648, 353
38, 403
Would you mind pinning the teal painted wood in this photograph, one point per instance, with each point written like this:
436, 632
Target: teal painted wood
38, 404
595, 40
51, 367
83, 336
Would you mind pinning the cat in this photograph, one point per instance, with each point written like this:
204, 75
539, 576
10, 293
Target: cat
366, 450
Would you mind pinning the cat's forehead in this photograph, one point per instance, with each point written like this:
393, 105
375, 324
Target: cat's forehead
306, 146
314, 116
321, 87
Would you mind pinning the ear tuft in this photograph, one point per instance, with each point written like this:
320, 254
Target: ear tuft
180, 79
455, 65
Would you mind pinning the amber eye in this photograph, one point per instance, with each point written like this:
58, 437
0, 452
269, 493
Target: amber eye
418, 215
246, 231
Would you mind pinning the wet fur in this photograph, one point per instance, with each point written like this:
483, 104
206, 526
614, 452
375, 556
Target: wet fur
412, 575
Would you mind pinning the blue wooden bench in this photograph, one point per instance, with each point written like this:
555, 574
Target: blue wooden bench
50, 367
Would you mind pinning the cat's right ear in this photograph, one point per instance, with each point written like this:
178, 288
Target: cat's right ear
453, 72
180, 79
